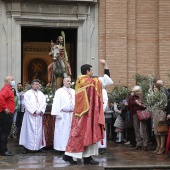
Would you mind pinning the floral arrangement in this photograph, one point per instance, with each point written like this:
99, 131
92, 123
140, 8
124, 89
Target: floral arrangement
47, 91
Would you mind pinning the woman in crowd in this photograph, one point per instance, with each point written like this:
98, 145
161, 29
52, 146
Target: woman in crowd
158, 115
13, 133
134, 105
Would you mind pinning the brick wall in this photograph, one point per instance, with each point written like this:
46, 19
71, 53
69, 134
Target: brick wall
134, 37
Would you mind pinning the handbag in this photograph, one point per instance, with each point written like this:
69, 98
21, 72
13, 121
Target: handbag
162, 127
108, 116
143, 115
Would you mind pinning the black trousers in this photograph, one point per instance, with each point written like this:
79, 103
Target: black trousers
5, 129
131, 136
19, 119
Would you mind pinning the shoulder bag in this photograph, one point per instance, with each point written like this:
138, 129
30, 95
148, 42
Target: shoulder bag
143, 114
162, 127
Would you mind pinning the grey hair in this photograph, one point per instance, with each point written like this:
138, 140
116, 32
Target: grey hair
7, 78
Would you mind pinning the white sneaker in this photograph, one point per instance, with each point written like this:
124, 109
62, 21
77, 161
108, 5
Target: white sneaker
127, 143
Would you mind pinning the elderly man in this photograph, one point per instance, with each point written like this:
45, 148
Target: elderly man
32, 132
7, 108
62, 108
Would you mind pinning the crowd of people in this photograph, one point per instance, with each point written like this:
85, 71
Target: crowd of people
80, 128
130, 130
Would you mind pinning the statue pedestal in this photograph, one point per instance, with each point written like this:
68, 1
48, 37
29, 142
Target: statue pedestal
49, 125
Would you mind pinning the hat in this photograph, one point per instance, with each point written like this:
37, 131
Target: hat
106, 80
136, 88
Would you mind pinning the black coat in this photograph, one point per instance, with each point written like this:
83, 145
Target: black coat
168, 105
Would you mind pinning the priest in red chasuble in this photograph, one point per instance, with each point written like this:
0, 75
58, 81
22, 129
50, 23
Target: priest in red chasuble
88, 119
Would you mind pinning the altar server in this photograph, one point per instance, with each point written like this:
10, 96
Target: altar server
62, 108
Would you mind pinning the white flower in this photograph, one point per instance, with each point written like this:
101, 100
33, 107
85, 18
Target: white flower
73, 83
50, 96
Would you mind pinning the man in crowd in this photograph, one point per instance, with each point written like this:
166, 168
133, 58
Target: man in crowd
7, 108
88, 119
32, 131
62, 108
21, 108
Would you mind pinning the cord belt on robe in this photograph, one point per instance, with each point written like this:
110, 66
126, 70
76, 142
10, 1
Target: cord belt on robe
67, 111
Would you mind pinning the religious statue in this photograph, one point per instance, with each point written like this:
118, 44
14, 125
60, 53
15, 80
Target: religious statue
60, 66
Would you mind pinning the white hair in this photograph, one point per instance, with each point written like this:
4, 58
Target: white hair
136, 88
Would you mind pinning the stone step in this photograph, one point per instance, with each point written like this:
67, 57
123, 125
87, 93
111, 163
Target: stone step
138, 167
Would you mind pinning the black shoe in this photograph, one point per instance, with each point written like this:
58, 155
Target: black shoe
41, 150
69, 159
60, 152
138, 148
7, 153
90, 161
25, 151
103, 151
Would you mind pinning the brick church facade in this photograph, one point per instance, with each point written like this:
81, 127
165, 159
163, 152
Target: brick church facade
134, 36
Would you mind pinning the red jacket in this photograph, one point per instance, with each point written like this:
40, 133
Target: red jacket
7, 99
133, 106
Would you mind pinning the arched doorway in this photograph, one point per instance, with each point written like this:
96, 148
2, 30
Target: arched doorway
36, 44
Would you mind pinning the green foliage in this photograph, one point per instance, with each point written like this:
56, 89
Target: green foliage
157, 100
145, 82
118, 94
149, 98
168, 79
27, 87
111, 97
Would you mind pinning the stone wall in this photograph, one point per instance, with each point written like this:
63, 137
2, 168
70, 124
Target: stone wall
78, 14
134, 38
3, 43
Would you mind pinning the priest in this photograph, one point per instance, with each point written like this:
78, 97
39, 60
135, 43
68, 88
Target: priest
88, 124
32, 132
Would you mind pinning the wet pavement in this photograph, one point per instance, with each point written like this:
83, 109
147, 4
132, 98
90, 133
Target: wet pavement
118, 156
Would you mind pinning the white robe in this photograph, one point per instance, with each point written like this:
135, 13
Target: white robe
63, 104
32, 132
105, 103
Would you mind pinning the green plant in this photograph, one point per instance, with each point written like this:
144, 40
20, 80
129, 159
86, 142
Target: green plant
118, 94
145, 82
157, 100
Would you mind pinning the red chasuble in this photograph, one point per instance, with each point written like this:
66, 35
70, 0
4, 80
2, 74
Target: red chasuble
88, 119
